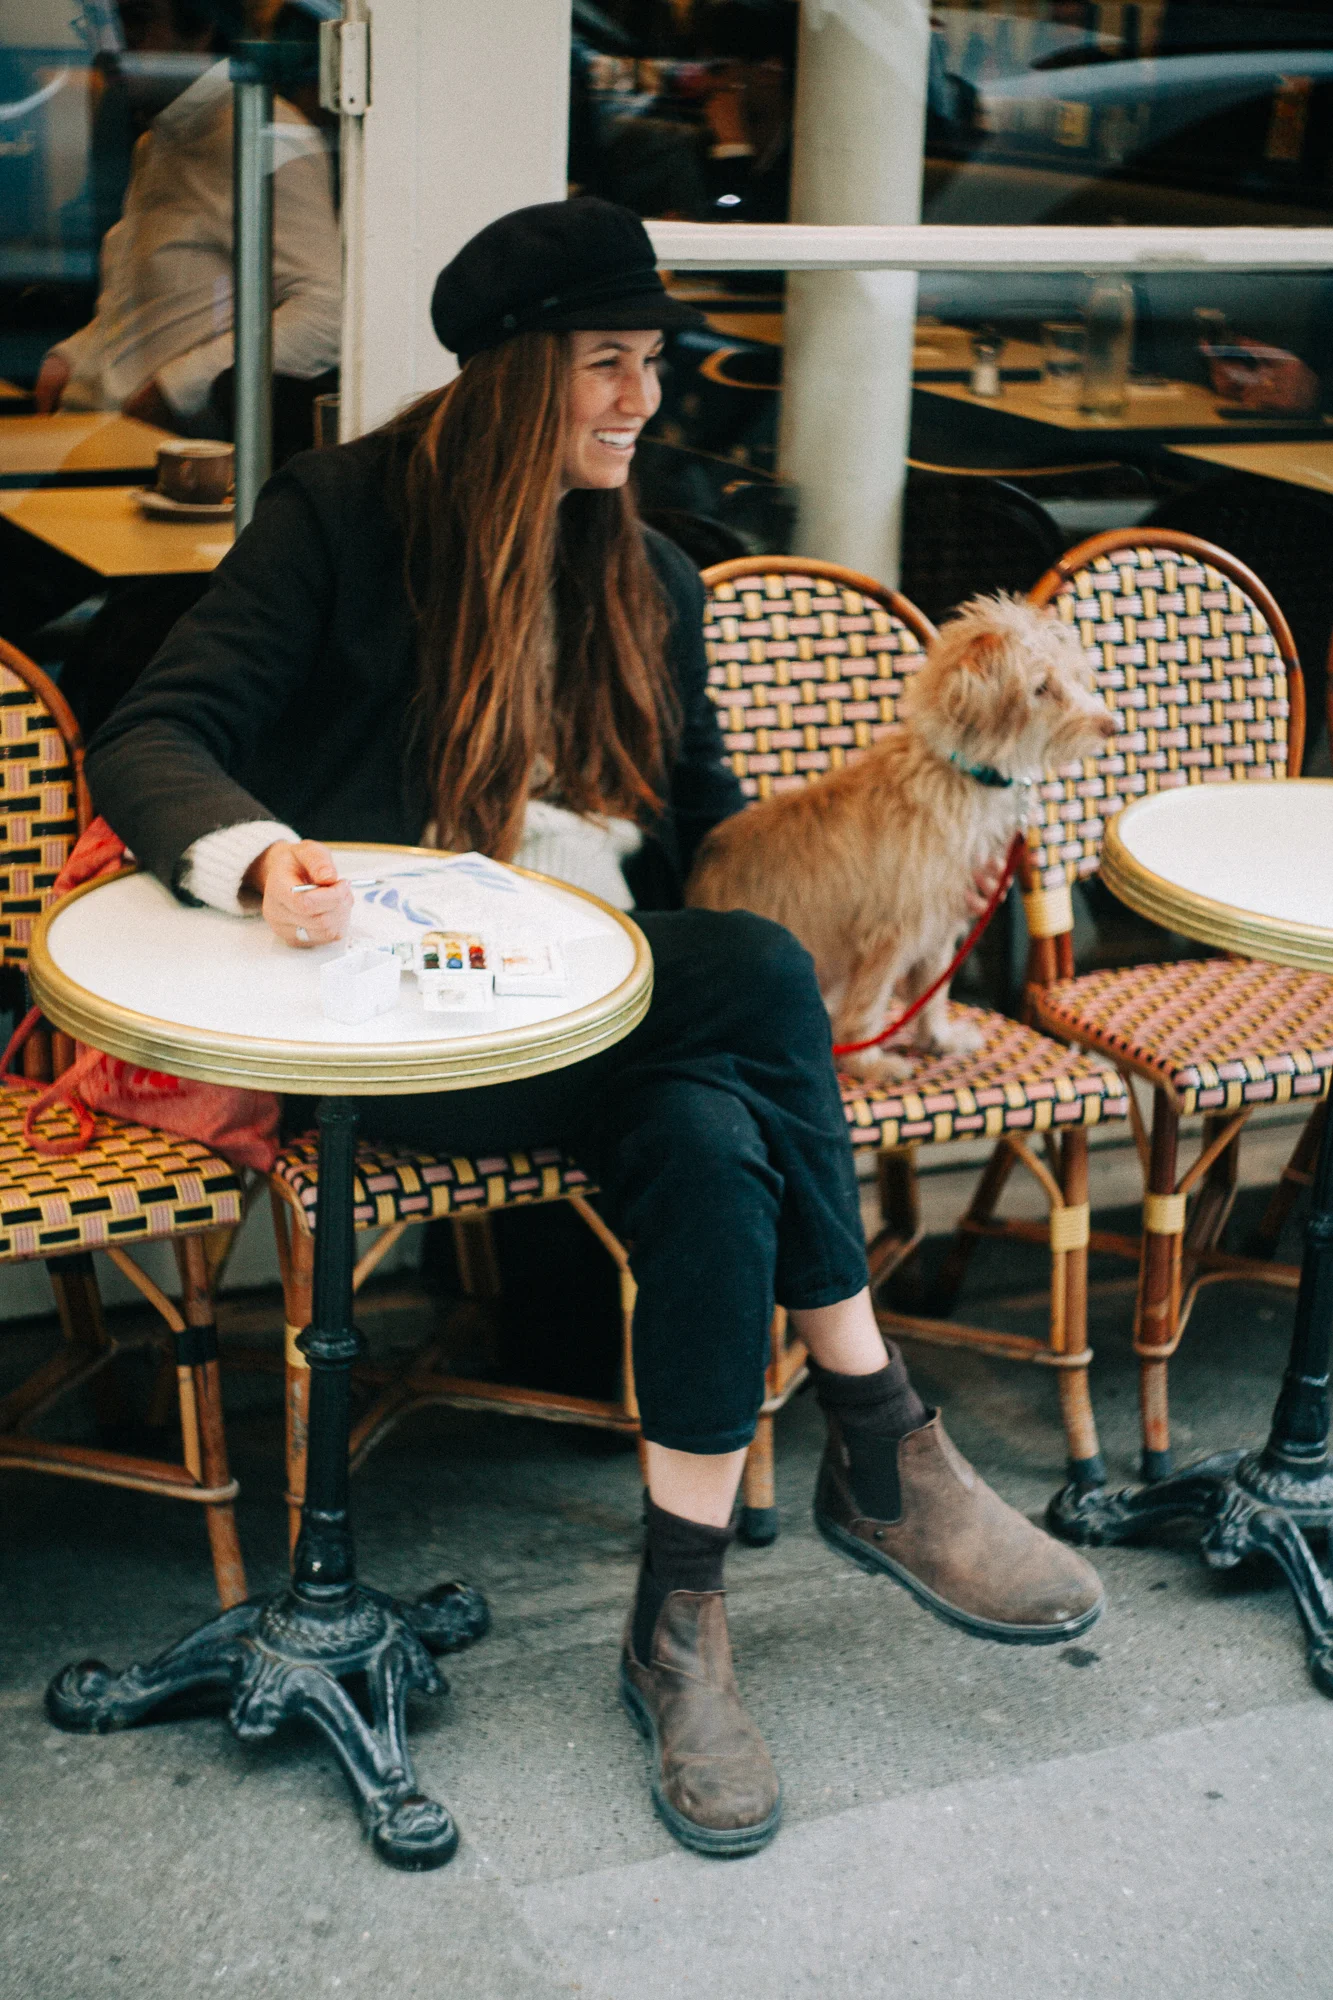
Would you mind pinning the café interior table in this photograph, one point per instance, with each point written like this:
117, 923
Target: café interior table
1165, 408
85, 449
127, 968
941, 350
1296, 462
764, 327
105, 529
938, 350
1244, 867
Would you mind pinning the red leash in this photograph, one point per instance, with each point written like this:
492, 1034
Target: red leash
873, 1041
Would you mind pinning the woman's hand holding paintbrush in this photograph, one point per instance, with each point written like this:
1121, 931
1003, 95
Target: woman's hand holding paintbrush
304, 901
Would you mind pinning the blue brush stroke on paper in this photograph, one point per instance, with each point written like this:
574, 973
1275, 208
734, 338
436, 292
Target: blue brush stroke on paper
478, 868
389, 899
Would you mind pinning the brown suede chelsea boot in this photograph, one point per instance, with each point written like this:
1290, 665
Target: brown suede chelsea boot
713, 1781
961, 1550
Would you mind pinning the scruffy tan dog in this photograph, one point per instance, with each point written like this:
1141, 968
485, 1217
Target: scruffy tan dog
872, 866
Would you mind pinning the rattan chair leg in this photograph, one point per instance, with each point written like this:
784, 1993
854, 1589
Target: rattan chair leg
162, 1397
478, 1263
83, 1354
759, 1511
1086, 1468
296, 1255
1295, 1176
1157, 1312
980, 1212
200, 1381
900, 1213
1216, 1197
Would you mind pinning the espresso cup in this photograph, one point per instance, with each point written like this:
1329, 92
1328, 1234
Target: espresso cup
197, 471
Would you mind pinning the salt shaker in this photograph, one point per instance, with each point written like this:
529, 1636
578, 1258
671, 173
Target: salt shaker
987, 346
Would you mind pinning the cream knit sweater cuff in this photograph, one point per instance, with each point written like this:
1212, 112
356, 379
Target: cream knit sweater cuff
213, 868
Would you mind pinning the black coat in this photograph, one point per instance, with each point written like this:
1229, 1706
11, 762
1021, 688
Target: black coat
284, 693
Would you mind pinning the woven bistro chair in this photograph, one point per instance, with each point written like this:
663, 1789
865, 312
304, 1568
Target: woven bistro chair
1195, 656
128, 1185
397, 1189
963, 536
807, 665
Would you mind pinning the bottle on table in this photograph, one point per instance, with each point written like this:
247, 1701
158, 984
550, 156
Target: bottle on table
1109, 320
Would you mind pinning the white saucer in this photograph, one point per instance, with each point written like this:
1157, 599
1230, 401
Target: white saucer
154, 502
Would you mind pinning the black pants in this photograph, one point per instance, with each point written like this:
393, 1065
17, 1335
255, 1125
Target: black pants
716, 1133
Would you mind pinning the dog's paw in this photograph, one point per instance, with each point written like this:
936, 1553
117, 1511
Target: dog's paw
878, 1066
957, 1038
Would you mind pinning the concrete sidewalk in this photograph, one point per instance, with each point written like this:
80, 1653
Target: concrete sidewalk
1148, 1812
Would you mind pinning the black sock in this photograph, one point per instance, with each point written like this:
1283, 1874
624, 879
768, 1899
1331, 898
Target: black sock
677, 1555
873, 1413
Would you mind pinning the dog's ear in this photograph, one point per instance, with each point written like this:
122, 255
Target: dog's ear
974, 669
982, 654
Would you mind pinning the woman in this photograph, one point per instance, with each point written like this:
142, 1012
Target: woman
436, 626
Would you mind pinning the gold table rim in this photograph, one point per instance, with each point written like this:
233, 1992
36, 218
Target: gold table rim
1306, 947
282, 1064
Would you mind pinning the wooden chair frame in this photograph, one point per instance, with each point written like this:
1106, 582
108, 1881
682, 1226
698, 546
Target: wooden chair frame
88, 1347
1176, 1258
1062, 1175
399, 1392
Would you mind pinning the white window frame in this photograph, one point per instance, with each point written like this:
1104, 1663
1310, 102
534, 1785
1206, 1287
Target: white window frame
1016, 248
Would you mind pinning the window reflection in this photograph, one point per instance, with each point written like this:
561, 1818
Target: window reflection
116, 194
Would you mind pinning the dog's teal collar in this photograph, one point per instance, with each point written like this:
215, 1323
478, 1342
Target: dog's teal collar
986, 774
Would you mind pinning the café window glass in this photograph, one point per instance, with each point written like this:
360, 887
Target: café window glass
116, 192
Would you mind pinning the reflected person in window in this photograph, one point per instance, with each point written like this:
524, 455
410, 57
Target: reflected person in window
162, 332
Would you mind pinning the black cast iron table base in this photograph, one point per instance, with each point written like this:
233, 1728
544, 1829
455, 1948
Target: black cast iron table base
282, 1658
1255, 1503
289, 1656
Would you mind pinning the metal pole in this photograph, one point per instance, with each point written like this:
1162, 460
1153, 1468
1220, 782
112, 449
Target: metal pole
252, 95
324, 1564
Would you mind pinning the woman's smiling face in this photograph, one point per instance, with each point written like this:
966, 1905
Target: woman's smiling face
613, 391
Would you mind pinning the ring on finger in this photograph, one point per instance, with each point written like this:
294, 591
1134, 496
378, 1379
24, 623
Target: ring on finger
302, 934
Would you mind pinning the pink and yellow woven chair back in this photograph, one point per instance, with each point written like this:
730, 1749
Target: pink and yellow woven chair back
1196, 660
806, 663
42, 808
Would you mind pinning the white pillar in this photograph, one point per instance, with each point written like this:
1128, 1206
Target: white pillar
468, 118
847, 365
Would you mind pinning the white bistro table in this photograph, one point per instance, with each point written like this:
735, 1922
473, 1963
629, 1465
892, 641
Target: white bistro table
1245, 867
124, 966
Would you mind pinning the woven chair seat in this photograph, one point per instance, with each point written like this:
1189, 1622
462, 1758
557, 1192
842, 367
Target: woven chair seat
1216, 1033
395, 1184
1018, 1081
130, 1185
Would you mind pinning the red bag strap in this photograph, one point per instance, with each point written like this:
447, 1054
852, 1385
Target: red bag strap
65, 1090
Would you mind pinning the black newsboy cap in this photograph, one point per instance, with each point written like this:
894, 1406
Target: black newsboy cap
556, 267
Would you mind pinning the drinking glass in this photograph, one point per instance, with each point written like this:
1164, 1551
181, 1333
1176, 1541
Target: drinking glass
325, 412
1064, 348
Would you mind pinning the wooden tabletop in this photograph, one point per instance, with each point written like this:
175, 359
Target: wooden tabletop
1308, 463
943, 349
765, 327
1172, 406
10, 392
938, 349
104, 528
98, 441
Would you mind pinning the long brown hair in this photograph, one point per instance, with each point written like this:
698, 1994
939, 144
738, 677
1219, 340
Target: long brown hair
541, 624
